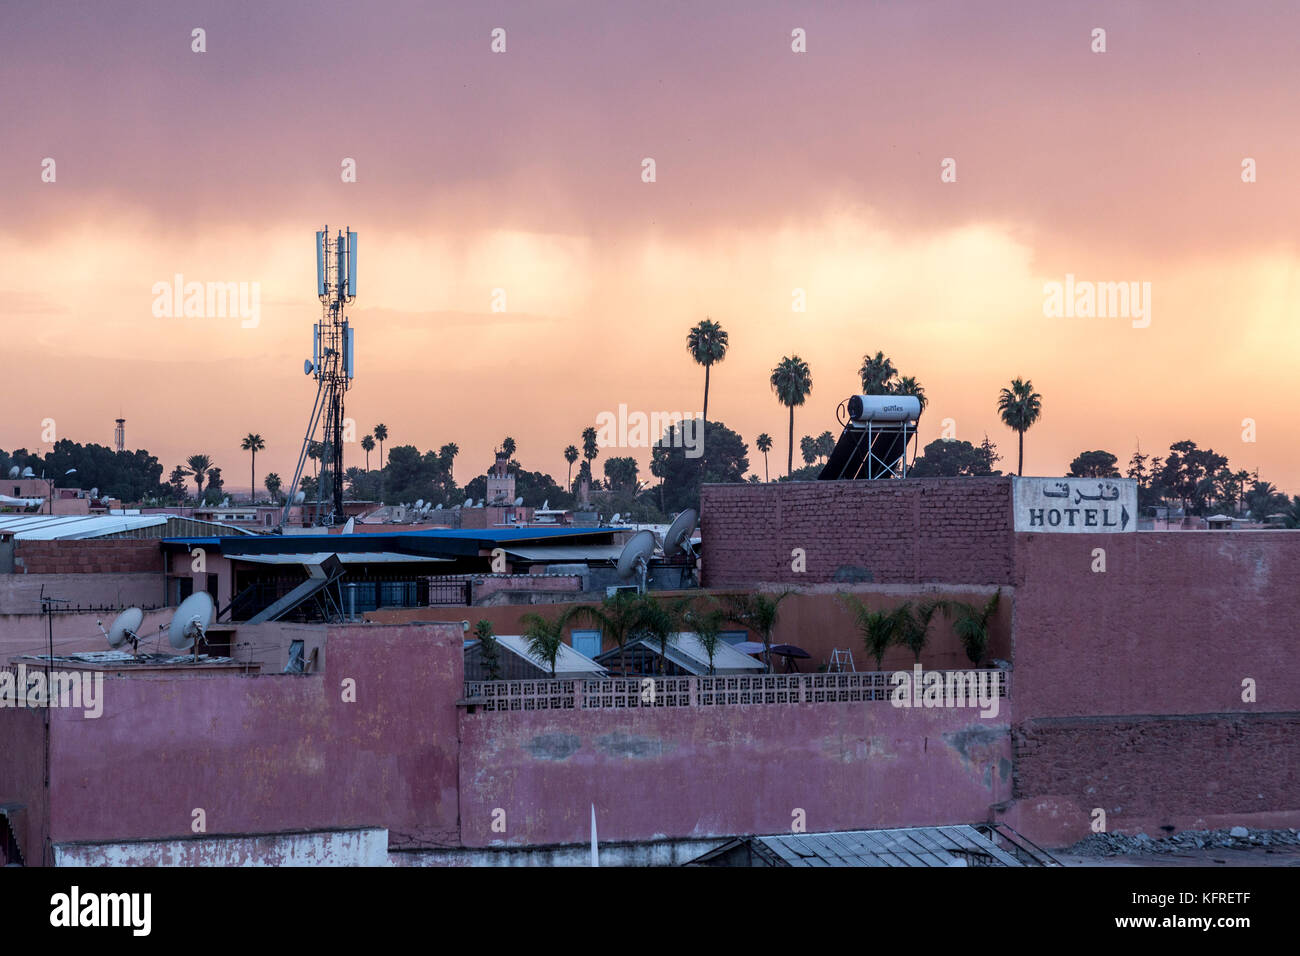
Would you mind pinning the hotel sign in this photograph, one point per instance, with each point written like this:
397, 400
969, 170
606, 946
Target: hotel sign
1076, 505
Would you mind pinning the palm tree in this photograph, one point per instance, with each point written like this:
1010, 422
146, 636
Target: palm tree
508, 446
707, 343
487, 643
590, 449
808, 449
545, 637
368, 445
381, 436
571, 455
907, 385
273, 486
197, 466
314, 451
617, 615
971, 624
764, 443
447, 454
1020, 406
661, 622
757, 613
707, 626
877, 374
916, 626
252, 443
879, 629
792, 381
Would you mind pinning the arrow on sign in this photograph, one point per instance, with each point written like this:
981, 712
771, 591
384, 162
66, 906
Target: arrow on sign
1123, 517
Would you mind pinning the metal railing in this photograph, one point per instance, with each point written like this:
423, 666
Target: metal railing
618, 693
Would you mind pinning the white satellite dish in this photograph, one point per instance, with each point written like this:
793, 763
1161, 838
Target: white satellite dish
519, 501
617, 515
28, 473
438, 506
678, 536
469, 503
351, 523
300, 497
307, 367
190, 622
126, 627
419, 502
225, 502
13, 472
635, 558
480, 503
94, 492
546, 505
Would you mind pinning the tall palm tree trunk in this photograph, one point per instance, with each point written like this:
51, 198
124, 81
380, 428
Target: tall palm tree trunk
789, 460
706, 392
1020, 467
252, 480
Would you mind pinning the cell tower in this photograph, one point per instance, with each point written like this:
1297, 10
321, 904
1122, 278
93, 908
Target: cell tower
119, 435
331, 365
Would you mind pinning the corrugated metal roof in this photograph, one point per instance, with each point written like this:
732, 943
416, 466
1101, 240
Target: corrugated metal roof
569, 663
686, 651
913, 846
567, 552
346, 557
74, 527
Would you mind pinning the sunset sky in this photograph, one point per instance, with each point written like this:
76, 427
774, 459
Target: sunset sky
775, 170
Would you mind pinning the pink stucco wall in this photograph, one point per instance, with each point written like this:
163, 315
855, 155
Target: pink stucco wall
706, 771
271, 753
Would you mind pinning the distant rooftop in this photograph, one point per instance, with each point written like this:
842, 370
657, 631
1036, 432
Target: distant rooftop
31, 527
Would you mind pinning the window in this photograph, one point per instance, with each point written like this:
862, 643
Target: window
586, 642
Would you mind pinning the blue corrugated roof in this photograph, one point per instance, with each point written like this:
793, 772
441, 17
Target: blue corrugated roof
456, 541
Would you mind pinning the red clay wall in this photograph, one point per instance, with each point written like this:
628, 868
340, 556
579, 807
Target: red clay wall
270, 753
95, 556
22, 777
713, 771
943, 530
1129, 681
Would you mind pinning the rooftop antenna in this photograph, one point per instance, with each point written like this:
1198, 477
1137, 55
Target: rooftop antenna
635, 558
190, 623
332, 365
126, 627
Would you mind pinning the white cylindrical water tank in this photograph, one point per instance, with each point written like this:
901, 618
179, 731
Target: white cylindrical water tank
884, 408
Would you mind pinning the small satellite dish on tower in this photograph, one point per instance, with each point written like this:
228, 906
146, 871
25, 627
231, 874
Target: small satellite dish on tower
307, 367
190, 622
678, 536
635, 558
126, 627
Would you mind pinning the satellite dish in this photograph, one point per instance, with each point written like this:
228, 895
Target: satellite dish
13, 472
419, 502
546, 505
307, 367
480, 503
351, 523
94, 492
190, 621
469, 503
519, 501
678, 536
300, 497
617, 515
125, 628
28, 473
438, 506
636, 557
225, 502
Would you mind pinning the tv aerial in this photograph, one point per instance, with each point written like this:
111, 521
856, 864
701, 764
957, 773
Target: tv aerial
190, 623
635, 558
126, 627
